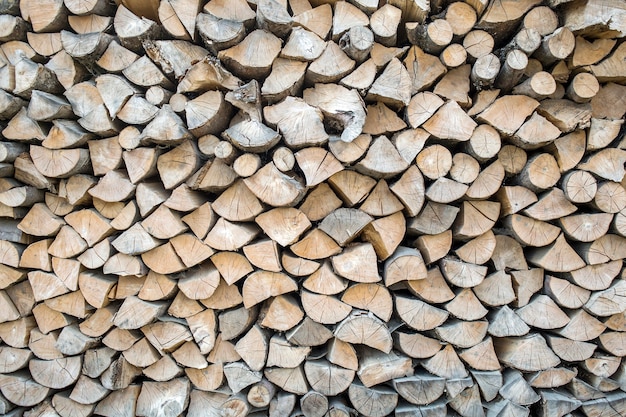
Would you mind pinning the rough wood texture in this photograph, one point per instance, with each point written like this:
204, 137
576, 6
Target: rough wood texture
312, 208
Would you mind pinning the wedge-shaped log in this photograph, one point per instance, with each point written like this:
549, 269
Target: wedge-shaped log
239, 59
288, 116
218, 34
416, 345
582, 327
529, 353
552, 205
135, 241
191, 250
58, 373
386, 234
342, 108
376, 367
60, 163
154, 396
364, 328
393, 86
230, 236
9, 311
557, 257
505, 322
344, 224
374, 401
114, 186
607, 302
284, 190
482, 356
287, 77
478, 250
21, 196
253, 348
420, 389
382, 160
315, 245
565, 293
463, 274
445, 190
283, 354
261, 285
466, 306
446, 364
419, 315
410, 190
501, 116
324, 309
596, 277
357, 263
20, 389
284, 225
132, 29
351, 186
381, 201
433, 289
323, 280
326, 378
543, 313
404, 265
317, 165
371, 297
32, 76
565, 114
464, 334
89, 225
475, 218
163, 260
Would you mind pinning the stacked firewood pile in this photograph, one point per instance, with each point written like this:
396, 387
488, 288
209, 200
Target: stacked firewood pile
312, 208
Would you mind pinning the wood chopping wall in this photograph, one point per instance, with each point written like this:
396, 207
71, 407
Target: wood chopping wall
312, 208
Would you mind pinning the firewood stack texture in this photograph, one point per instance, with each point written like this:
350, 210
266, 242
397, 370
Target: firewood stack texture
312, 208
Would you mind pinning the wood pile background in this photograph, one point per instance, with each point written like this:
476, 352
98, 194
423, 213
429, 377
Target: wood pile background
312, 208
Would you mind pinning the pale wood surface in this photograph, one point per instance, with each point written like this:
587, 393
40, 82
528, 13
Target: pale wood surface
312, 208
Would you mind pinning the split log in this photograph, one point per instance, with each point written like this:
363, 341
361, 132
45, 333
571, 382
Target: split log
288, 116
351, 186
323, 280
286, 77
392, 86
238, 59
33, 76
463, 126
291, 190
238, 203
453, 368
342, 108
392, 163
565, 114
373, 402
22, 390
217, 33
475, 218
504, 16
538, 358
317, 165
56, 374
150, 400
